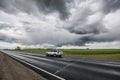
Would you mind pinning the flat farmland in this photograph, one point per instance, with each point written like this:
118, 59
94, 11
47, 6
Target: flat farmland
110, 54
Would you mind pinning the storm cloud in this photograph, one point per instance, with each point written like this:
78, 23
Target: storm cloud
59, 22
30, 6
49, 6
111, 5
91, 22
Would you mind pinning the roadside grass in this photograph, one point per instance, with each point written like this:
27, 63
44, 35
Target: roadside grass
111, 54
38, 51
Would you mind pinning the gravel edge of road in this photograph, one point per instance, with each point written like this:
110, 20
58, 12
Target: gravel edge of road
13, 70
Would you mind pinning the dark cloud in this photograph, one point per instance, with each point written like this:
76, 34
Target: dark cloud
95, 28
7, 38
2, 4
28, 6
4, 36
109, 36
80, 41
49, 6
10, 34
5, 26
7, 6
80, 23
111, 5
96, 31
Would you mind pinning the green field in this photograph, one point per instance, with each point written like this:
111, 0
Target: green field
111, 54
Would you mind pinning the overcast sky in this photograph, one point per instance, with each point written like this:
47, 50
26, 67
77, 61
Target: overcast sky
60, 23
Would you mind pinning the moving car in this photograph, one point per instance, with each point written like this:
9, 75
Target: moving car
55, 53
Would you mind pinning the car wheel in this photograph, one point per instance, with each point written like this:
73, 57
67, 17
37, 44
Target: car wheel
59, 56
47, 55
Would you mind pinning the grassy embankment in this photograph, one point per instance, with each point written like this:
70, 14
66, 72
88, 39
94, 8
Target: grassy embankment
111, 54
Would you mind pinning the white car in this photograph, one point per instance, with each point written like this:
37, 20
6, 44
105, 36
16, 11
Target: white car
55, 53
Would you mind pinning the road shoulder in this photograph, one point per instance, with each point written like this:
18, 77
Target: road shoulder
13, 70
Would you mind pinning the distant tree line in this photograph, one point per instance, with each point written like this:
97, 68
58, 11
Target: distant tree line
18, 48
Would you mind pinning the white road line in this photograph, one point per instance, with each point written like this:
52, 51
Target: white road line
60, 78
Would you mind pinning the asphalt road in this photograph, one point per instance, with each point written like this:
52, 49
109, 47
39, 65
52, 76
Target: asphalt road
69, 68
